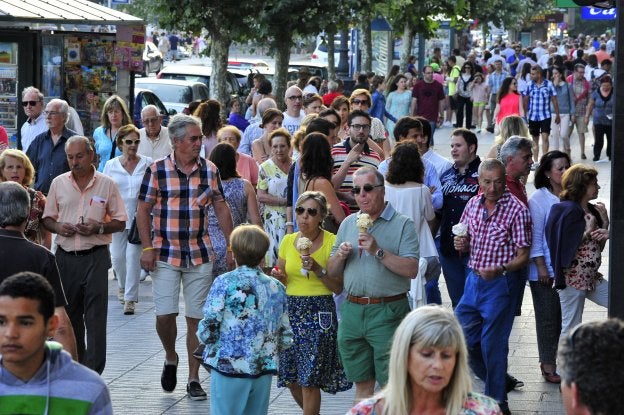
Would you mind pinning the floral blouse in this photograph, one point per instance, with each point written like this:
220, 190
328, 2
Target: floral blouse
34, 222
245, 323
476, 404
583, 271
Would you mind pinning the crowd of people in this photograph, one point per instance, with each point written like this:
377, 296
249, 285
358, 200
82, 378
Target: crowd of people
302, 238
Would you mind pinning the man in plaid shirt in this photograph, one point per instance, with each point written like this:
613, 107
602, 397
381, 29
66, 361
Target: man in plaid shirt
177, 191
536, 100
498, 239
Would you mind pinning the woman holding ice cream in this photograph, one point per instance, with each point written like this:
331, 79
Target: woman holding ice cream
312, 363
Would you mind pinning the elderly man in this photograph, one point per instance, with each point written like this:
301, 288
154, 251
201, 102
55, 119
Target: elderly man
155, 142
254, 130
32, 101
376, 265
84, 207
177, 191
498, 237
536, 99
351, 154
428, 99
591, 364
47, 151
293, 115
26, 256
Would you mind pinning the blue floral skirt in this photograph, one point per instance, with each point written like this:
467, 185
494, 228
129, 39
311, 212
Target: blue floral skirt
313, 360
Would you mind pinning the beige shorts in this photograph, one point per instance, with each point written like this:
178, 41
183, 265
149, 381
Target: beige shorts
166, 280
581, 127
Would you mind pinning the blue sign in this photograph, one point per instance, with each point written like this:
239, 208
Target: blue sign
594, 13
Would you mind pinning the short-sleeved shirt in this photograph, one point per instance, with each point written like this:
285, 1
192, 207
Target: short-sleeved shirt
428, 96
28, 256
156, 148
180, 209
340, 152
298, 284
366, 276
539, 99
494, 239
100, 201
291, 123
495, 80
48, 159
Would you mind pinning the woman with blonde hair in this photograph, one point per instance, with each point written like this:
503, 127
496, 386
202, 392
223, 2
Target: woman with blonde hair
114, 116
509, 126
428, 370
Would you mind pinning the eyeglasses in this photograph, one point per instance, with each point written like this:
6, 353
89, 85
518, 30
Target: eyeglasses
150, 120
367, 188
130, 142
311, 211
360, 126
359, 101
295, 98
51, 113
31, 103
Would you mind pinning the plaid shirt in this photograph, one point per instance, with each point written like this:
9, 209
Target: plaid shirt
495, 239
495, 80
539, 99
180, 209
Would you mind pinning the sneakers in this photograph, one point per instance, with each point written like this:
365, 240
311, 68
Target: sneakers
129, 307
144, 275
447, 124
195, 391
120, 295
168, 378
512, 383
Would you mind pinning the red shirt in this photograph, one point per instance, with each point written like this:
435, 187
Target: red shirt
428, 97
495, 239
330, 97
516, 187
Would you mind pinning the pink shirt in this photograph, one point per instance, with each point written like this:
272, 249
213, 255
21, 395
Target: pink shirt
99, 202
247, 167
509, 105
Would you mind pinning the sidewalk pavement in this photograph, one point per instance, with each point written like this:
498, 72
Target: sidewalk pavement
135, 356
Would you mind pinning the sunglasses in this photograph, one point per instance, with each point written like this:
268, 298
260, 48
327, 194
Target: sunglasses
359, 101
311, 211
31, 103
367, 188
130, 142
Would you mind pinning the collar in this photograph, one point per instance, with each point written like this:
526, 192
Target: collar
347, 146
11, 234
472, 166
36, 120
158, 136
172, 159
388, 212
502, 201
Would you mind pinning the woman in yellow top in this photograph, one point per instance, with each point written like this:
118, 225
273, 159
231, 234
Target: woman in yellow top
312, 363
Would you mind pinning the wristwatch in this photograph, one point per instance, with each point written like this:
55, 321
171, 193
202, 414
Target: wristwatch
504, 269
380, 254
101, 230
323, 273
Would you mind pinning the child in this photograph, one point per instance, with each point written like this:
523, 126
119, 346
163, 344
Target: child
245, 326
480, 96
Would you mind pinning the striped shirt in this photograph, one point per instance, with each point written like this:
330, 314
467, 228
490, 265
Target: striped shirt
180, 209
368, 158
539, 99
495, 239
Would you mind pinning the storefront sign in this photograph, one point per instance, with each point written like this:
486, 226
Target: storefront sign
548, 18
594, 13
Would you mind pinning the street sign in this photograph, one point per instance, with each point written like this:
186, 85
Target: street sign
593, 13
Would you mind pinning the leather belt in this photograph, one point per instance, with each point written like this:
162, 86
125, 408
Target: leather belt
84, 252
375, 300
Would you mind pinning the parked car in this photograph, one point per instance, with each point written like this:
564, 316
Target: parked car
199, 73
315, 68
174, 93
143, 98
152, 59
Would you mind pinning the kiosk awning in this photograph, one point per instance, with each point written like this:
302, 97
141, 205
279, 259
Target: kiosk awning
63, 12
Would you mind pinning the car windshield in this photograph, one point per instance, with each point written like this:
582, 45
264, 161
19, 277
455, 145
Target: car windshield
171, 93
183, 77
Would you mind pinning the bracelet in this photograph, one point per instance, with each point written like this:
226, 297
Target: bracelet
290, 224
149, 248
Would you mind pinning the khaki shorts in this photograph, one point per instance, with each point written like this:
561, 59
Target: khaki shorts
581, 127
166, 280
364, 338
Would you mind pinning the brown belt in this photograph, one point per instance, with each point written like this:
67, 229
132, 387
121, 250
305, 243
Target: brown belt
375, 300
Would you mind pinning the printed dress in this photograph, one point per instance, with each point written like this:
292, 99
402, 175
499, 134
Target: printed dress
475, 404
272, 179
234, 194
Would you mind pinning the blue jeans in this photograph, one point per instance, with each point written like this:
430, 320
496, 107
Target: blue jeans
433, 125
486, 315
455, 270
517, 287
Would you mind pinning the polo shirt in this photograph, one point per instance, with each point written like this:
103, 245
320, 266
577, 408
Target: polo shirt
48, 159
28, 256
366, 276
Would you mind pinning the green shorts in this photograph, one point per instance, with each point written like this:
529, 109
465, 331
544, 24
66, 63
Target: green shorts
479, 104
364, 338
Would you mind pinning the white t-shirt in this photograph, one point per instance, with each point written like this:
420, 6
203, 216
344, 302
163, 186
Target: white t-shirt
292, 124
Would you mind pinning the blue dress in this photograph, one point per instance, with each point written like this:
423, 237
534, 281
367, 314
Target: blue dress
397, 104
234, 194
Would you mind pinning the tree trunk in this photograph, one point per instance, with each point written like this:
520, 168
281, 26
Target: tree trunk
331, 61
219, 55
408, 43
282, 57
367, 45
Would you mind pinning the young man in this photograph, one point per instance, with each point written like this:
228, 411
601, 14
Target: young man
37, 376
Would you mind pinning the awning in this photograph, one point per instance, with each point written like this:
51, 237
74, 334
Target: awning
63, 12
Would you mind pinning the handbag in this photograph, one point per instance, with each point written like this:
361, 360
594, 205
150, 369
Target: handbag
133, 233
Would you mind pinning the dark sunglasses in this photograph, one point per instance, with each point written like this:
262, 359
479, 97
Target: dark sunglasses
311, 211
359, 101
129, 142
367, 188
31, 103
